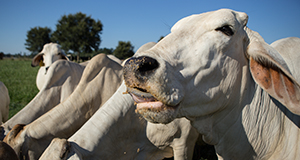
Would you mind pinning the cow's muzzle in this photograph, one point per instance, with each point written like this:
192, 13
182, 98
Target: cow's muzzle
137, 71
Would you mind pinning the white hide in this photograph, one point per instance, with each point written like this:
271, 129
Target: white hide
237, 91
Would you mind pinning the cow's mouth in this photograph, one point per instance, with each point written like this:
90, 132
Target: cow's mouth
150, 107
141, 96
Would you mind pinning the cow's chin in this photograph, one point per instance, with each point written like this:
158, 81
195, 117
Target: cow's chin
154, 113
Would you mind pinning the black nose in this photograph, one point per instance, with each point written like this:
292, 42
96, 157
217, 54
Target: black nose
141, 67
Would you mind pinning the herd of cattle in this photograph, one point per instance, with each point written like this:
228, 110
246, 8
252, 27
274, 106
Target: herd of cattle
211, 77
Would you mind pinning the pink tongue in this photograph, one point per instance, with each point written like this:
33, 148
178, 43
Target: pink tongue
156, 104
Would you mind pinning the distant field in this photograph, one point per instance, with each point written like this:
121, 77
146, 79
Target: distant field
19, 78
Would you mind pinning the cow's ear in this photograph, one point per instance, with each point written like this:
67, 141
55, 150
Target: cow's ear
37, 60
271, 73
17, 129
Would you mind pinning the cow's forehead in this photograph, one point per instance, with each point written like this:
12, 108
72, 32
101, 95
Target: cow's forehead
213, 19
51, 48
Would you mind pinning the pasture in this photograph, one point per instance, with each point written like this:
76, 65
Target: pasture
19, 78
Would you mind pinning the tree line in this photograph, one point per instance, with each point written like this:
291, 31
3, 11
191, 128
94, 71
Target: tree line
77, 34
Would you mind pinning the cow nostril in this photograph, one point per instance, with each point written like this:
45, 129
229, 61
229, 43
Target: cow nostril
139, 67
147, 65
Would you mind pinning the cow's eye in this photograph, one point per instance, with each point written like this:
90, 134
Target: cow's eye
226, 30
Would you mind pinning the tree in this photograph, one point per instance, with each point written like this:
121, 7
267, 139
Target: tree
123, 50
1, 55
106, 50
37, 37
78, 33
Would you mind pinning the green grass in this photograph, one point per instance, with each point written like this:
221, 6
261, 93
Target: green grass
19, 78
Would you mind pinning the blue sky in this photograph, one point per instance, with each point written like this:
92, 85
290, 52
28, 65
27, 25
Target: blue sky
140, 21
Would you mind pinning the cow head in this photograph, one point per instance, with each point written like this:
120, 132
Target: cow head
201, 67
51, 52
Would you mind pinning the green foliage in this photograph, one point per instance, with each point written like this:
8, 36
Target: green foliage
19, 78
36, 38
123, 50
106, 50
78, 33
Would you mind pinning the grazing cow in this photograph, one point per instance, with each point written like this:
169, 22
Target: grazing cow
4, 102
100, 79
237, 91
51, 52
116, 132
60, 81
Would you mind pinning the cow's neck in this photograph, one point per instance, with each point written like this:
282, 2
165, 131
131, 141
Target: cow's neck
256, 130
115, 130
271, 128
262, 123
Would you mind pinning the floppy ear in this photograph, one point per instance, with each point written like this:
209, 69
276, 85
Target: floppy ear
14, 132
37, 60
270, 71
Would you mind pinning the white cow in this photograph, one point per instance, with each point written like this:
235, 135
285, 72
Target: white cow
116, 132
100, 79
59, 82
4, 102
236, 90
51, 52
